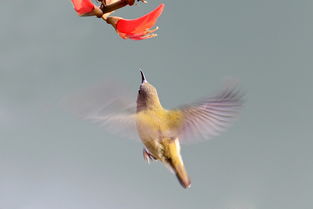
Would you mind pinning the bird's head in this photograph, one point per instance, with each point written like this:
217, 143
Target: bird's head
147, 97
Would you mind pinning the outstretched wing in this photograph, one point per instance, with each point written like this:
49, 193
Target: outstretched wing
209, 117
108, 105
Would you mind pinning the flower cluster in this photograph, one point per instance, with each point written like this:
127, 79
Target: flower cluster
135, 29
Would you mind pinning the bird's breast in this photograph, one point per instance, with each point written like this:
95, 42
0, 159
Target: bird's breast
150, 124
151, 127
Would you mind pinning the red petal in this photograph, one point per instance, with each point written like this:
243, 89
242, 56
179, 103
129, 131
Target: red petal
138, 27
83, 6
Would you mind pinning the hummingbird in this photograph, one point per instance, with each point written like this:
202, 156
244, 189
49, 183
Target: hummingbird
160, 129
163, 130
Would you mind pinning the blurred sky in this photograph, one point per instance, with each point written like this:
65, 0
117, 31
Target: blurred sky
51, 160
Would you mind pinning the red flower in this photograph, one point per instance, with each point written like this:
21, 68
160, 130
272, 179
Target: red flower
140, 28
83, 7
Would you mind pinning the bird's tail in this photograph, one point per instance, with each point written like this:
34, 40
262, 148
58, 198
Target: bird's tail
178, 167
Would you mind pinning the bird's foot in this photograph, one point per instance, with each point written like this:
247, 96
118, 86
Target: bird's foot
147, 155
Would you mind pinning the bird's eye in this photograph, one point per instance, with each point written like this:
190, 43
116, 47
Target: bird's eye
139, 91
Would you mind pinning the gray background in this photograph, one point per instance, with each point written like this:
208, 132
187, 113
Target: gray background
51, 160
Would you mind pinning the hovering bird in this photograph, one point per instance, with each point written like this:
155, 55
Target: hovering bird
161, 130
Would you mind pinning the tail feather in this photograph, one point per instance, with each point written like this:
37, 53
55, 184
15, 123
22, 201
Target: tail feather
181, 174
175, 162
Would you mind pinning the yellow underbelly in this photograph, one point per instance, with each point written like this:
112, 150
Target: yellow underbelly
153, 130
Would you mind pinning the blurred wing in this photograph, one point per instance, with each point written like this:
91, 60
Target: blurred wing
109, 106
120, 124
209, 117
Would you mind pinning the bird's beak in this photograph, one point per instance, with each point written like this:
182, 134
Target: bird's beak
143, 78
